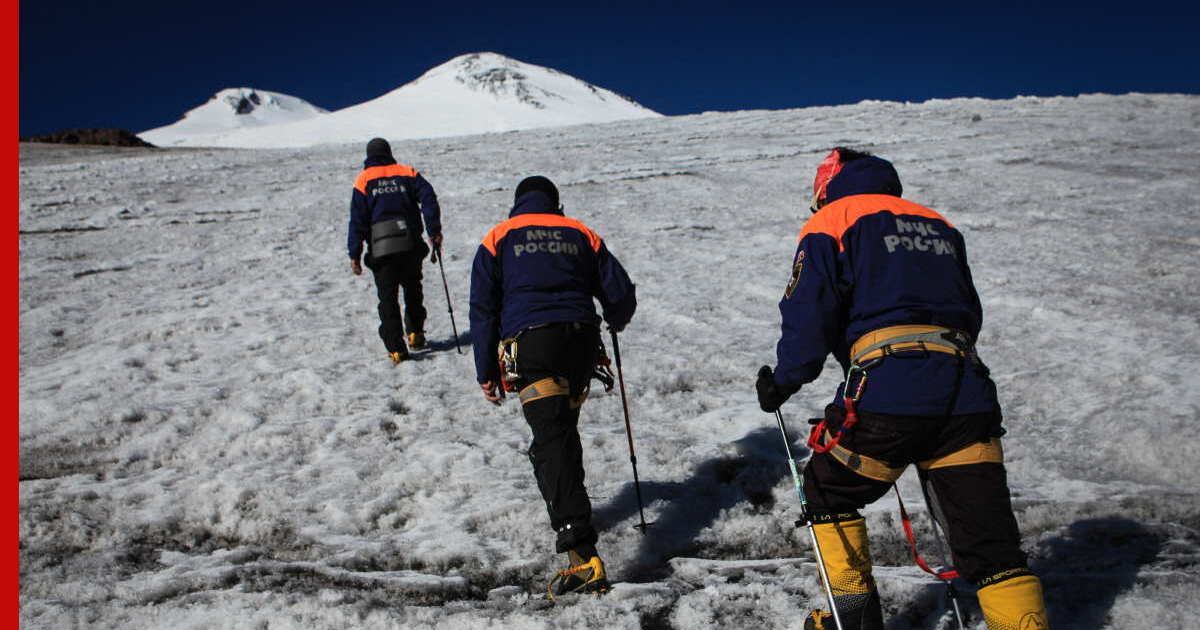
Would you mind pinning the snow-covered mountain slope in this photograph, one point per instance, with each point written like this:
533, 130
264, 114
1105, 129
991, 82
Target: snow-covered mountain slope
230, 110
212, 437
470, 94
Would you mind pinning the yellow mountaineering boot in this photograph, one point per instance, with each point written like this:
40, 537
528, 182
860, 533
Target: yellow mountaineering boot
848, 564
398, 357
583, 576
416, 340
1014, 603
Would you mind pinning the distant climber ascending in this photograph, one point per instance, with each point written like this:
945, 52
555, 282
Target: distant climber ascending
388, 202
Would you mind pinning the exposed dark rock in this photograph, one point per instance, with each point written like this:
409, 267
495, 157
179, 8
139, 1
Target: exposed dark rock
244, 104
103, 136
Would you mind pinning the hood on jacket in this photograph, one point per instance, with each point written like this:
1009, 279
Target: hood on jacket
379, 153
537, 182
535, 195
867, 175
535, 202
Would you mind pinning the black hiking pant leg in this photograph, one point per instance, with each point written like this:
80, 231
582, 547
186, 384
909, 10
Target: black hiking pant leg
831, 488
566, 352
557, 458
391, 274
980, 527
414, 295
387, 288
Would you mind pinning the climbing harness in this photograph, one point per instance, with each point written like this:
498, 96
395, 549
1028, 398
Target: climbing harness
510, 373
870, 350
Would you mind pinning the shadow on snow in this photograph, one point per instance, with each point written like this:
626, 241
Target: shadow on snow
754, 465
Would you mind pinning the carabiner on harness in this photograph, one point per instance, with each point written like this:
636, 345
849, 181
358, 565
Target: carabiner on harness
507, 357
848, 399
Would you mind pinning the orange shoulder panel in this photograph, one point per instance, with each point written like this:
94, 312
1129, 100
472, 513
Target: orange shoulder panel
837, 217
497, 233
360, 182
375, 172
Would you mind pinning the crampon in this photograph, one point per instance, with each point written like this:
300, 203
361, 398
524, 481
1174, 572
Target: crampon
581, 577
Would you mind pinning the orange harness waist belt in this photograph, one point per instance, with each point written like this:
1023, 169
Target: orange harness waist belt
911, 338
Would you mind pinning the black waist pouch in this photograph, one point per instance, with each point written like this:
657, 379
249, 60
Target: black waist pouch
391, 237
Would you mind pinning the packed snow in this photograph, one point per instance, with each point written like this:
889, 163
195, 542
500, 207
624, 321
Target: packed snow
229, 110
212, 436
470, 94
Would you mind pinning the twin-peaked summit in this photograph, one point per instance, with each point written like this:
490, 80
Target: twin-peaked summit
475, 93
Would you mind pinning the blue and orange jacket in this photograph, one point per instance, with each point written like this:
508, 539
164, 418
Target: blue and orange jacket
540, 267
387, 190
868, 261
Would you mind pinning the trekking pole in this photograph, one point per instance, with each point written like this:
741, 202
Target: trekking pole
945, 576
935, 511
449, 307
787, 447
637, 486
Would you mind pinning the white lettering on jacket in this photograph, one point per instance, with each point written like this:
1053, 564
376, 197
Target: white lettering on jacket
918, 236
547, 242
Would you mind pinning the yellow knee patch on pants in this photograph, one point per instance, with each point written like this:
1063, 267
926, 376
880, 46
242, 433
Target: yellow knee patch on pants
847, 556
1014, 604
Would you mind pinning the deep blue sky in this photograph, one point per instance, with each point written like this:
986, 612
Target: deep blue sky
139, 65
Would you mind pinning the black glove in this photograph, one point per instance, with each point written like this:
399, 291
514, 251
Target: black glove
436, 250
771, 395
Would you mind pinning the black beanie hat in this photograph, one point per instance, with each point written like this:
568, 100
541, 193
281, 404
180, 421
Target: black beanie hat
537, 182
378, 147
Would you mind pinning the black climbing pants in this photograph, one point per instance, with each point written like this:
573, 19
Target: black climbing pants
565, 353
974, 497
392, 273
